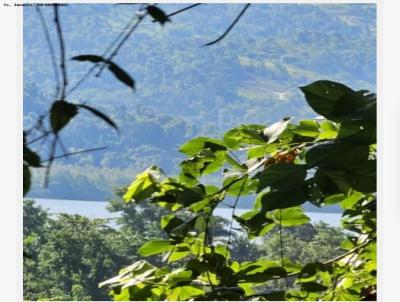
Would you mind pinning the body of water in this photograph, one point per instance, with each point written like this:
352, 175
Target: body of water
97, 209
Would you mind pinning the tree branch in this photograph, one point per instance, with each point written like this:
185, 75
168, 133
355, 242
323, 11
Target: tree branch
51, 49
62, 53
230, 26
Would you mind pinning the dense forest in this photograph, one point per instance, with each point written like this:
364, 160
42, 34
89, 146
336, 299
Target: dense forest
68, 255
185, 90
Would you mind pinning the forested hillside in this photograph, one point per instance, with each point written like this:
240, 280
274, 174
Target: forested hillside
185, 90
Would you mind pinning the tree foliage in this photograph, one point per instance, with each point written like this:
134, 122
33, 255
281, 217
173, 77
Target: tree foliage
328, 162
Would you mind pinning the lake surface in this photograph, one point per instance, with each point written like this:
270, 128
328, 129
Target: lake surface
97, 209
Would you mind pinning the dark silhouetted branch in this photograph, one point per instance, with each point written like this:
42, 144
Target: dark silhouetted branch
230, 26
182, 10
51, 49
233, 213
62, 53
74, 153
122, 42
112, 44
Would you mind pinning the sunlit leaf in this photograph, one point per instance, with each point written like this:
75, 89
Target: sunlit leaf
155, 247
144, 185
291, 217
194, 146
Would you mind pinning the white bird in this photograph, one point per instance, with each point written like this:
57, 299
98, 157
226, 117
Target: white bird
271, 133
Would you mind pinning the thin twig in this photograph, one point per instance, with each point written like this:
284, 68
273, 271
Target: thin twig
182, 10
233, 213
50, 161
230, 26
206, 237
62, 53
74, 153
281, 245
93, 67
51, 49
39, 137
122, 42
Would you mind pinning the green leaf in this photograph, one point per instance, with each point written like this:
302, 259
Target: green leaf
203, 163
27, 179
281, 199
309, 128
234, 164
259, 151
197, 144
363, 177
240, 184
336, 155
100, 115
255, 222
353, 105
157, 14
281, 176
170, 222
144, 185
61, 113
155, 247
313, 287
178, 254
359, 132
189, 292
244, 135
323, 95
328, 130
275, 296
291, 217
349, 201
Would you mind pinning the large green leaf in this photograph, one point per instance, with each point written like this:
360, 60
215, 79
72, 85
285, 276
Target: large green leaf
363, 177
308, 128
240, 184
354, 105
329, 130
244, 135
144, 185
323, 95
281, 199
197, 144
155, 247
255, 222
203, 163
281, 176
358, 132
291, 217
336, 155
